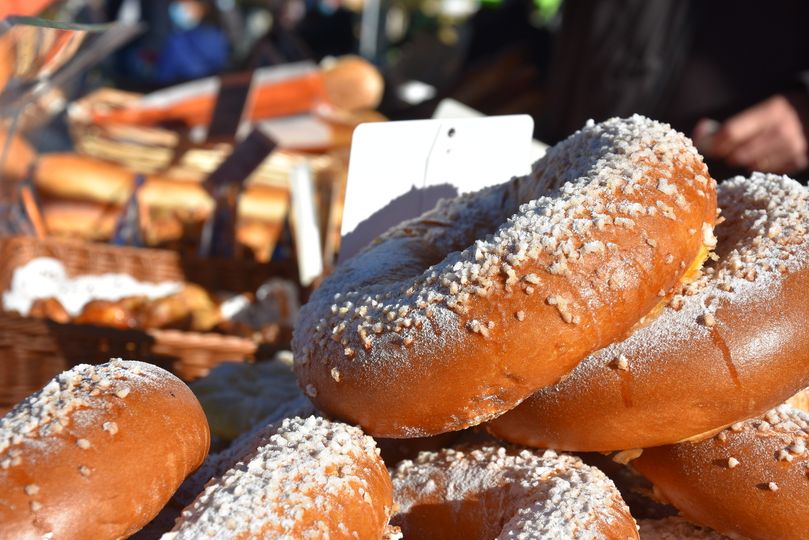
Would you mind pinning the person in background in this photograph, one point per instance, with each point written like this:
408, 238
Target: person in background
732, 74
194, 47
183, 41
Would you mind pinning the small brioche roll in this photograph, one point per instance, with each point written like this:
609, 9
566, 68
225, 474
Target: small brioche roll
302, 478
352, 83
97, 452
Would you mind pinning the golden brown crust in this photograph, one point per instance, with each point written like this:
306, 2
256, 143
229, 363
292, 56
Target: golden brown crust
353, 84
81, 178
95, 221
117, 314
98, 451
480, 492
749, 480
733, 345
49, 308
190, 309
415, 337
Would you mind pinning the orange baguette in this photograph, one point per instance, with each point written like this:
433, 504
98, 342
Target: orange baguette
350, 84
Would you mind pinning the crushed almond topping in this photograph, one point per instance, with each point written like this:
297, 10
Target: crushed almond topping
622, 363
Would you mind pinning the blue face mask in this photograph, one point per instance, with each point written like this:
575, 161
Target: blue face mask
182, 17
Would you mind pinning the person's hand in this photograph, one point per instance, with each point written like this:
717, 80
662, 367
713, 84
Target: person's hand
767, 137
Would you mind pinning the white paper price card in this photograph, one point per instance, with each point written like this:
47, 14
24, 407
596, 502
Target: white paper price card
398, 170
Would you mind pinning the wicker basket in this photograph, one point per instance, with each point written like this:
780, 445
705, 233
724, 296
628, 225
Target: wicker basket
80, 257
194, 354
154, 265
32, 351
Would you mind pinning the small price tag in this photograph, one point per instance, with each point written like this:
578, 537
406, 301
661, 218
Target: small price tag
242, 161
225, 184
398, 170
228, 112
305, 224
128, 229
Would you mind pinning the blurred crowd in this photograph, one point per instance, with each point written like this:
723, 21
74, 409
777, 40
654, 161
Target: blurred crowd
731, 74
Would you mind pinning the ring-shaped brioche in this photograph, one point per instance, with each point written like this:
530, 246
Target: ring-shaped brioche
452, 318
731, 346
97, 452
749, 480
304, 478
482, 492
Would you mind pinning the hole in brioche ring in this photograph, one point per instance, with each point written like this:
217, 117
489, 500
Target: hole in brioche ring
521, 286
729, 346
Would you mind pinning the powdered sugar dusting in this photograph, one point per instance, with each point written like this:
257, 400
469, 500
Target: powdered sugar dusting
298, 469
786, 425
544, 495
78, 395
384, 306
764, 238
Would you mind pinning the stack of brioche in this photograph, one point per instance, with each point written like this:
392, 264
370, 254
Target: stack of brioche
615, 300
